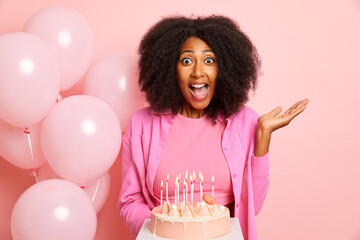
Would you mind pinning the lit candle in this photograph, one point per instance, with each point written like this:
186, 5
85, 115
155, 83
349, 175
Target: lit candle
176, 190
162, 183
200, 185
191, 190
212, 188
167, 188
201, 189
178, 193
184, 192
194, 179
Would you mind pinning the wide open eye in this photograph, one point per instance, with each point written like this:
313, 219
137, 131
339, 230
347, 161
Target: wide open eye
186, 60
209, 60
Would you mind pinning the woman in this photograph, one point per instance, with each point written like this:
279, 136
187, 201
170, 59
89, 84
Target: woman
196, 74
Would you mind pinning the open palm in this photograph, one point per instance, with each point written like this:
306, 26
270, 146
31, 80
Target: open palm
271, 121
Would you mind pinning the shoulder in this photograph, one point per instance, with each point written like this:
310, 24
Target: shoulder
245, 122
148, 115
142, 115
245, 115
138, 120
146, 120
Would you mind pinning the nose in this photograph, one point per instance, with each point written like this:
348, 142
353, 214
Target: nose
197, 70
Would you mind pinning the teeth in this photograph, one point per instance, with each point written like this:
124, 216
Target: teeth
198, 85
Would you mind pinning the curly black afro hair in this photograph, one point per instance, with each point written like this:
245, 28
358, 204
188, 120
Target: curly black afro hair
237, 59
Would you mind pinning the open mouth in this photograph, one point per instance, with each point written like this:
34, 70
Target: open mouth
199, 91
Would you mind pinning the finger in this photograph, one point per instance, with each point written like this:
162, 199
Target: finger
296, 106
292, 114
275, 111
306, 100
302, 102
299, 106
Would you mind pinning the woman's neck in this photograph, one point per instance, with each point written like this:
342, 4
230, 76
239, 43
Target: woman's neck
188, 111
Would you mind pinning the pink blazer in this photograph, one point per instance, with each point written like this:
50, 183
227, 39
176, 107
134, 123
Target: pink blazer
142, 149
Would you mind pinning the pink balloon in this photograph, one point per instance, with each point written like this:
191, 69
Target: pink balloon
53, 209
70, 36
29, 79
113, 79
97, 191
81, 138
15, 147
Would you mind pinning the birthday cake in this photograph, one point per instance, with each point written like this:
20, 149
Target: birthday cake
206, 219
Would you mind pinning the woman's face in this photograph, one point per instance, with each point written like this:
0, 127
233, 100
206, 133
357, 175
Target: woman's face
197, 71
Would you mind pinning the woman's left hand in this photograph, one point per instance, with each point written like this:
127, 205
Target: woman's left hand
271, 122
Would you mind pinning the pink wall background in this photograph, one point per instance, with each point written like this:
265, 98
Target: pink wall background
309, 49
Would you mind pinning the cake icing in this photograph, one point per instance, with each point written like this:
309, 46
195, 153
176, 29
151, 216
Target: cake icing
186, 222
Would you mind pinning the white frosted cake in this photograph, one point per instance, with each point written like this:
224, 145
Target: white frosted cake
182, 221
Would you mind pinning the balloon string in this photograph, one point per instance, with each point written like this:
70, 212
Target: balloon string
33, 173
29, 140
96, 189
27, 131
59, 98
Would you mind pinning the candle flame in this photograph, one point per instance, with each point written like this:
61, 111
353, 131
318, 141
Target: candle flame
191, 179
201, 178
186, 174
194, 175
179, 175
167, 177
184, 183
162, 184
212, 179
200, 174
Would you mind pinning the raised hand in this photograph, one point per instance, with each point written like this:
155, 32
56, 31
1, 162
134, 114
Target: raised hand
271, 122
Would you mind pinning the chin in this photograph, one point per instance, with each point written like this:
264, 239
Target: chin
200, 106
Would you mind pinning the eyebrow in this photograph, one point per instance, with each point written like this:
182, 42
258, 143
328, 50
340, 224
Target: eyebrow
190, 51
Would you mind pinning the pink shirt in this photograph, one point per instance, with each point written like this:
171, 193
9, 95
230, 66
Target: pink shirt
194, 144
143, 147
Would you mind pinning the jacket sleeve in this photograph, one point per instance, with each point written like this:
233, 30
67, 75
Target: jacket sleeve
256, 173
255, 183
260, 180
132, 206
259, 169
